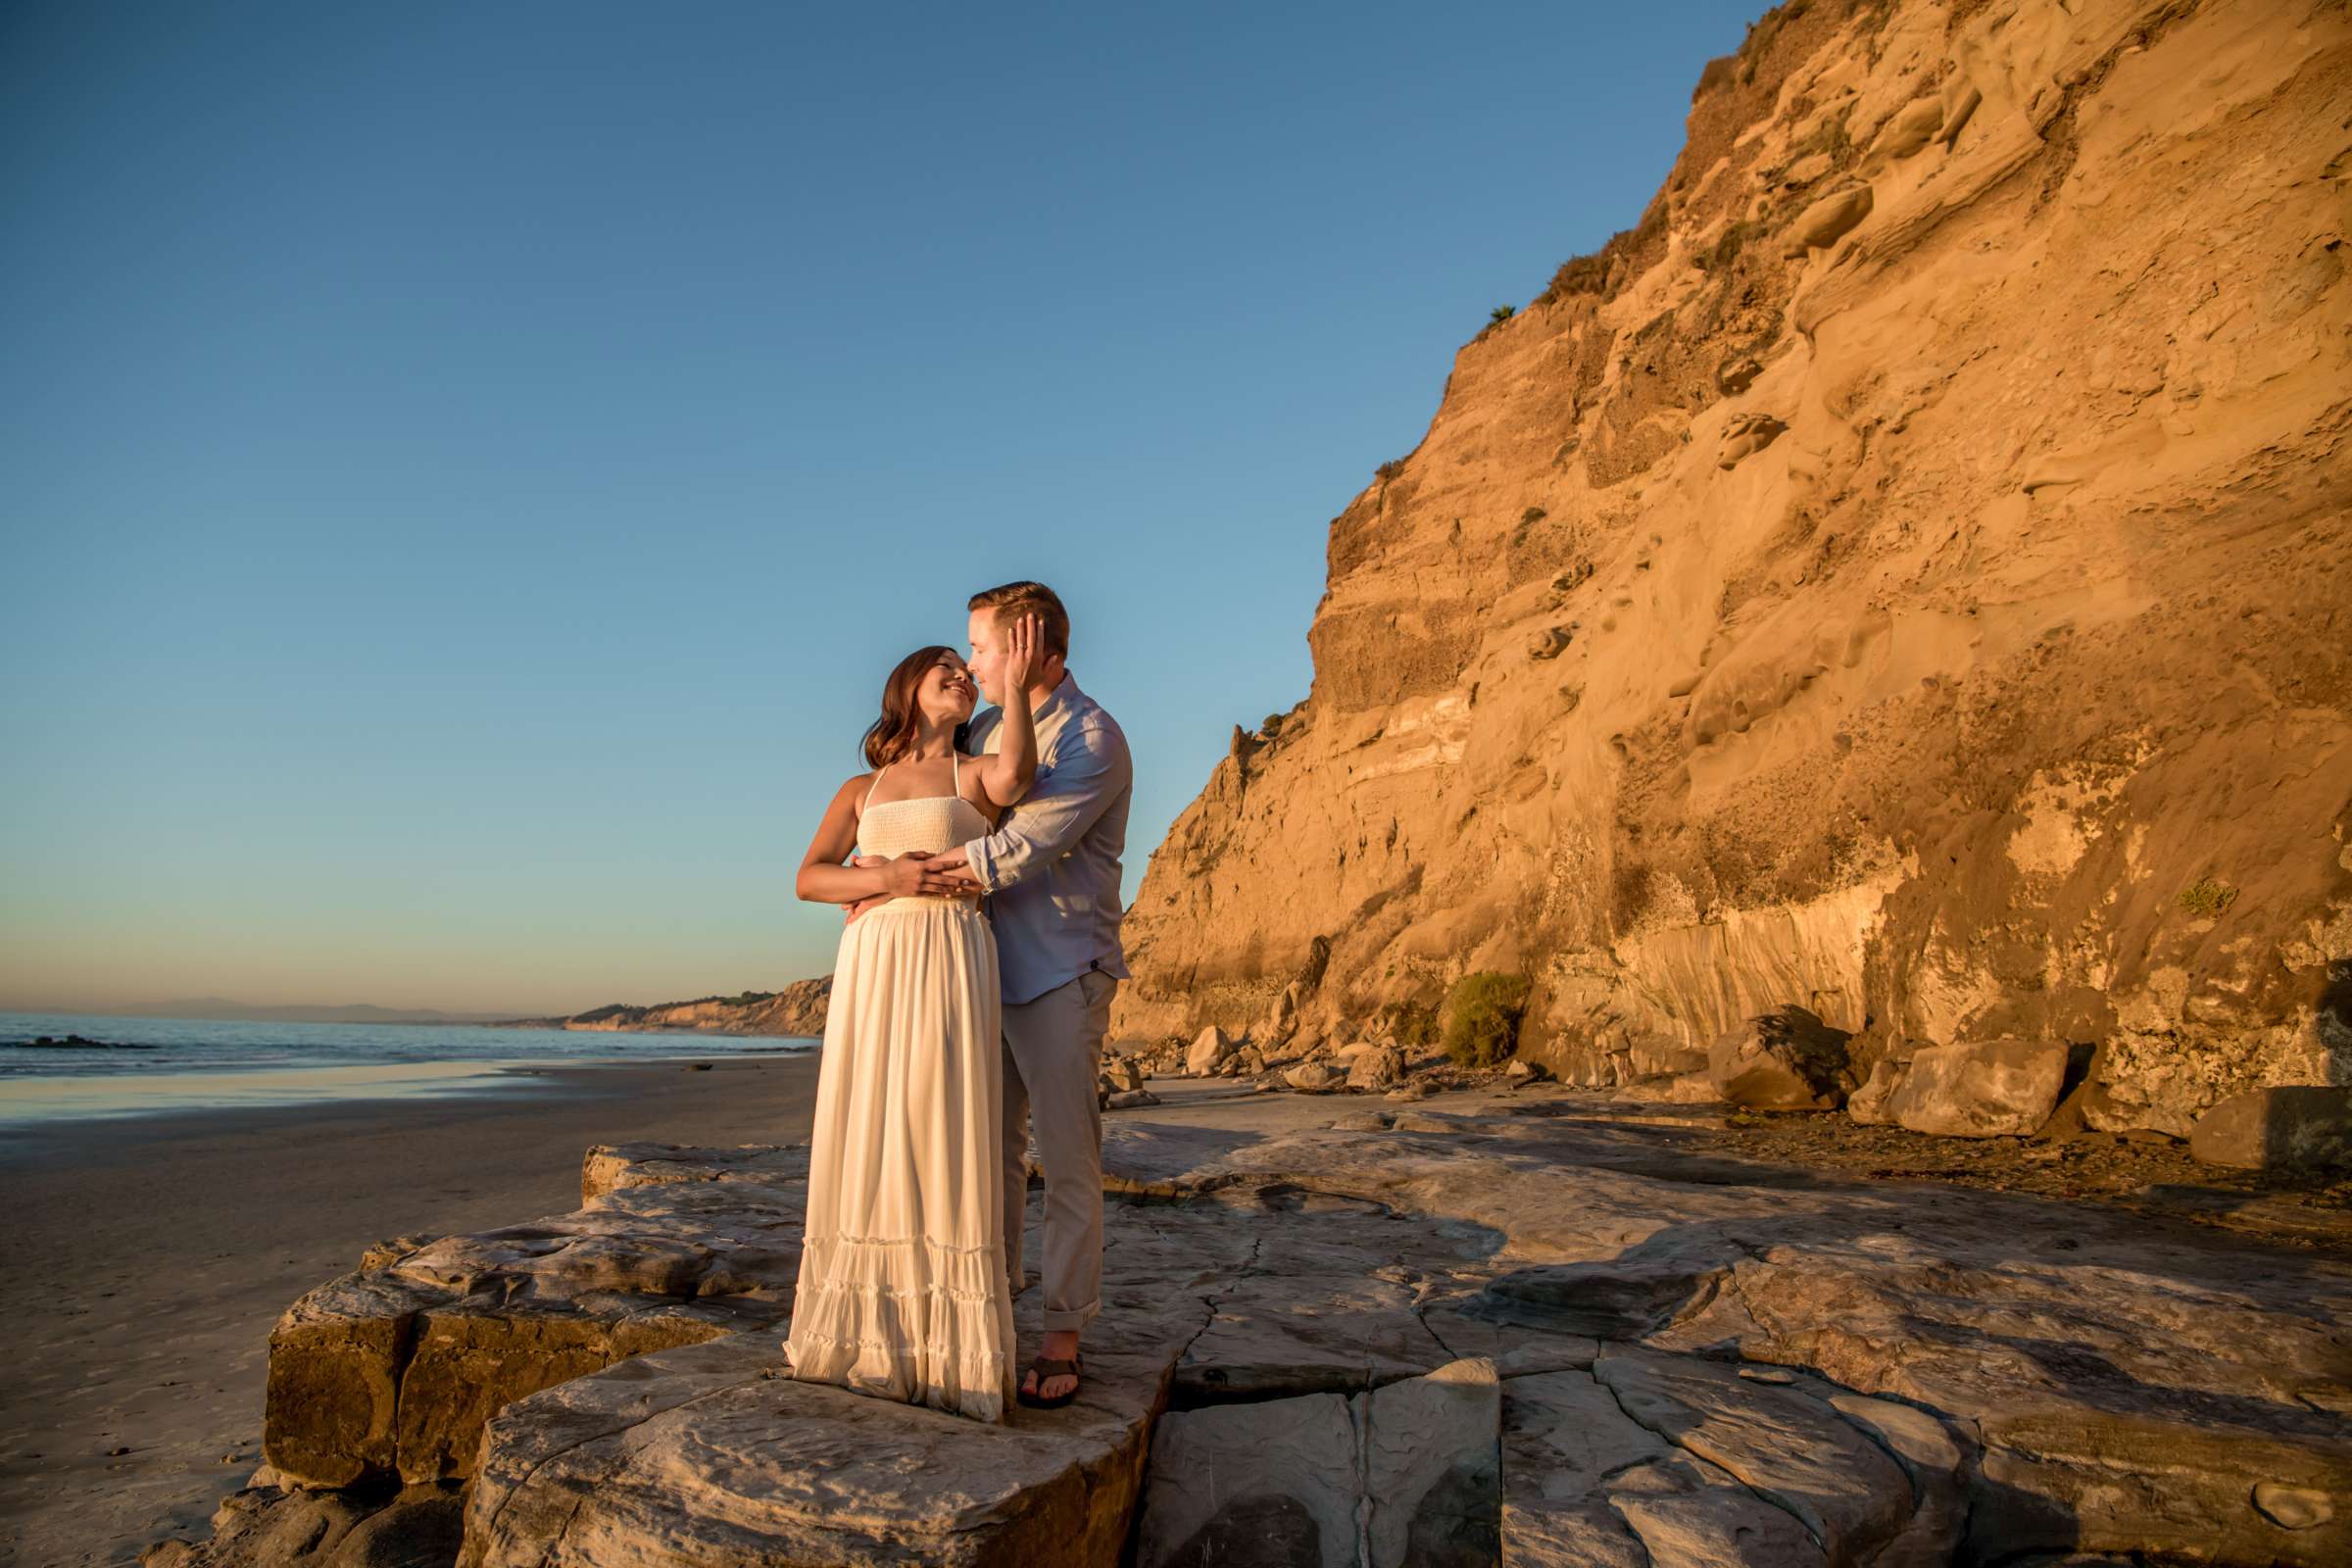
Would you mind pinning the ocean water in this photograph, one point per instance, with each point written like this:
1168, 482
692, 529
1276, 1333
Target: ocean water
148, 1066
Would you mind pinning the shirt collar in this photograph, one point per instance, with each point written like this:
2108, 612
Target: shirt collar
1062, 696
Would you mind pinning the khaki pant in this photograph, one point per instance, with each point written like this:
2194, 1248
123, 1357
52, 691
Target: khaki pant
1052, 1056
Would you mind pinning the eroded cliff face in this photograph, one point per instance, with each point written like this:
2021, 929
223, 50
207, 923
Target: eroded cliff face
1907, 576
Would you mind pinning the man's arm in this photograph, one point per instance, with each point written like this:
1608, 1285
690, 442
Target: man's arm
1049, 822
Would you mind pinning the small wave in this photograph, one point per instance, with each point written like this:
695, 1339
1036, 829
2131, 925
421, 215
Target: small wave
72, 1043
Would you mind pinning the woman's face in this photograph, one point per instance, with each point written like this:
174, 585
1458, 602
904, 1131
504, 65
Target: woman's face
947, 693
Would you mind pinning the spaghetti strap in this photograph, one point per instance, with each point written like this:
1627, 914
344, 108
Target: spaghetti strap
956, 771
869, 789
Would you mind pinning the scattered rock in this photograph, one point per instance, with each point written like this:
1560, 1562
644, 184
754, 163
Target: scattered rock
269, 1526
2300, 1127
1131, 1098
1521, 1072
1979, 1089
1867, 1104
1381, 1067
1314, 1075
1208, 1052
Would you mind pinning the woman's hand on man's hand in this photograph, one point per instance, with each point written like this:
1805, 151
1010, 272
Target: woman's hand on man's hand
910, 874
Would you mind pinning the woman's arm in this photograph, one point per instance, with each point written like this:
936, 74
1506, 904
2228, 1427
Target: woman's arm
823, 879
1007, 773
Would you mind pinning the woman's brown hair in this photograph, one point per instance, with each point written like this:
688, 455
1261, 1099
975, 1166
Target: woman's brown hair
888, 737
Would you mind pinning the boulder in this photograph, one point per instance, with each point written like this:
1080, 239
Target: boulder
1208, 1052
1868, 1104
1381, 1067
1125, 1073
2301, 1127
1786, 1060
1282, 1022
1314, 1075
1521, 1072
1129, 1099
1979, 1089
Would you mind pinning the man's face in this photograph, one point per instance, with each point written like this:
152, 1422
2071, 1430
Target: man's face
987, 662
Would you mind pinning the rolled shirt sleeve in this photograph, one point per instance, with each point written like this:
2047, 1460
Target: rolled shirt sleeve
1049, 822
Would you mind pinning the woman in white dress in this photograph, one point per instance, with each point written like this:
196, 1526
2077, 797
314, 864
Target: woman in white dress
902, 1289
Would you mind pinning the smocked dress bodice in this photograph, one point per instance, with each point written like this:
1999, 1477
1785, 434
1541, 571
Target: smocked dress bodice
932, 823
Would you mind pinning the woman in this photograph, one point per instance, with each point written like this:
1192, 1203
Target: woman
902, 1287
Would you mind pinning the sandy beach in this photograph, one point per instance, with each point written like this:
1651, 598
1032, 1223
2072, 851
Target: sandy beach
148, 1260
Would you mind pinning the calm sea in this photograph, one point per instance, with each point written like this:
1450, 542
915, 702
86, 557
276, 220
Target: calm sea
146, 1065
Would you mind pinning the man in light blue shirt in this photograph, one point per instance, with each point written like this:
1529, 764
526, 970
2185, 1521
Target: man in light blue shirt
1051, 872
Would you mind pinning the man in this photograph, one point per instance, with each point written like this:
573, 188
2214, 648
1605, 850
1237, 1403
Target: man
1051, 872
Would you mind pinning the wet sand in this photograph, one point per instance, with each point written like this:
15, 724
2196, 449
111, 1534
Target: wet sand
147, 1259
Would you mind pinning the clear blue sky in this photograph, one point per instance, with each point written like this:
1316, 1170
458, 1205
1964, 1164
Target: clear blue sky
466, 469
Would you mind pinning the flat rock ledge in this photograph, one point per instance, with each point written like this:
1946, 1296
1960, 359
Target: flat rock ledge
1492, 1328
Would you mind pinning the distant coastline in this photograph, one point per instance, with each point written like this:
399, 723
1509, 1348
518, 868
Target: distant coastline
799, 1009
796, 1011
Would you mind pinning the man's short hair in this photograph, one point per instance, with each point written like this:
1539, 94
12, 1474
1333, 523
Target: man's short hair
1030, 598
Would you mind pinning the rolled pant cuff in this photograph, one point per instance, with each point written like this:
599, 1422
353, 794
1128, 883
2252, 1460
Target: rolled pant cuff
1061, 1319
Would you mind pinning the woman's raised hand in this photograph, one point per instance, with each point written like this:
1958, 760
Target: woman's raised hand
1022, 641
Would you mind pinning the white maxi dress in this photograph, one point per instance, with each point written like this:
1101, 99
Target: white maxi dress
901, 1290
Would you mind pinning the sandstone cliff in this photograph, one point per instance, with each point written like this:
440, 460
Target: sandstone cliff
799, 1009
1906, 575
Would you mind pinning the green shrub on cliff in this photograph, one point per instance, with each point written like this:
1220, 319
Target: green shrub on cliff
1414, 1025
2206, 899
1482, 1017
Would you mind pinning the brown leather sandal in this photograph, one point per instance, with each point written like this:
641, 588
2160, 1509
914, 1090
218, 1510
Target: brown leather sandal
1050, 1366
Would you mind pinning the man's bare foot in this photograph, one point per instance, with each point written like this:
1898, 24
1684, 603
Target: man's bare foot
1060, 1346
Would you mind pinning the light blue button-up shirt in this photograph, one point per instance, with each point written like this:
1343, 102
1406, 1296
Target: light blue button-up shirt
1052, 868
